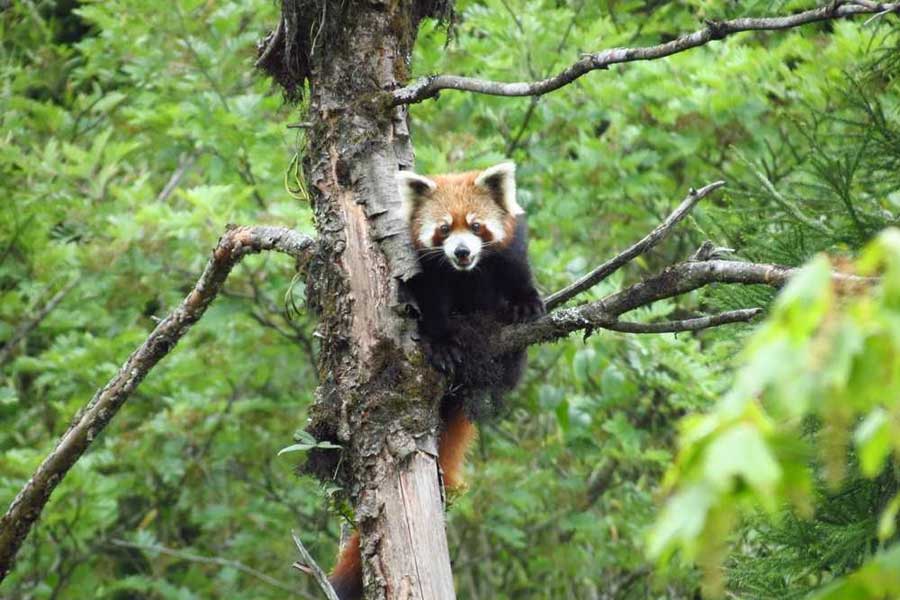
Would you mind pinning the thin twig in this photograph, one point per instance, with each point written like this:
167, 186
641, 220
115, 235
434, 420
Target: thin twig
29, 324
184, 166
651, 239
237, 243
695, 324
214, 560
877, 16
429, 87
270, 42
308, 565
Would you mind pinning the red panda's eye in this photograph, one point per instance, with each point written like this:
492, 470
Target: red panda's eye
445, 229
476, 226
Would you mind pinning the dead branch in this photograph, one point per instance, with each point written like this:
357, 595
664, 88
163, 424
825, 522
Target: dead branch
651, 239
695, 324
184, 165
269, 43
428, 87
673, 281
235, 244
306, 564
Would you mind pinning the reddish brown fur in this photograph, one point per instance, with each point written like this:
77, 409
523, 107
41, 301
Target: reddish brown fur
347, 575
457, 195
454, 442
458, 434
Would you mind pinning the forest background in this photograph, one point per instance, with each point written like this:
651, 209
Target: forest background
131, 135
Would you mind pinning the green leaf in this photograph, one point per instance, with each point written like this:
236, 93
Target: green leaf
887, 522
741, 454
681, 522
874, 442
304, 447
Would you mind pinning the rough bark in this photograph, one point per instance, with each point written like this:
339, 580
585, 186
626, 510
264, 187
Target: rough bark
377, 397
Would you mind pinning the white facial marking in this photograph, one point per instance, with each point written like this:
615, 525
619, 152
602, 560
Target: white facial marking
429, 227
459, 242
498, 231
410, 186
426, 231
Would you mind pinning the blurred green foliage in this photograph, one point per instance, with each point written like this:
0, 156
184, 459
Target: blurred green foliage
820, 378
133, 133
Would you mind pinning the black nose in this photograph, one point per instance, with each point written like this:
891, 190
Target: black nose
461, 252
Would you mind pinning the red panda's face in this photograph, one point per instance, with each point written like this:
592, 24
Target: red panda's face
461, 216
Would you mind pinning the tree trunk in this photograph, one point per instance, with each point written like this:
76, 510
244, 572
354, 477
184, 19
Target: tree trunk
377, 396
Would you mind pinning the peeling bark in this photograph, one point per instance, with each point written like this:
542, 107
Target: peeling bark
377, 397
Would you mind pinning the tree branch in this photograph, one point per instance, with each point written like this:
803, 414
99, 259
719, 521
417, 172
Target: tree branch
184, 165
307, 565
673, 281
96, 415
428, 87
695, 324
633, 251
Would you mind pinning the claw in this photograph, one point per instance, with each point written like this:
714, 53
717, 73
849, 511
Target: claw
527, 310
444, 355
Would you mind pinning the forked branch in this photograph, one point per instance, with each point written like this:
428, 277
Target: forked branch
428, 87
237, 243
702, 269
306, 564
673, 281
651, 239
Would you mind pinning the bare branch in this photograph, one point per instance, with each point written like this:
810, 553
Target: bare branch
308, 565
29, 324
695, 324
673, 281
96, 415
268, 44
428, 87
651, 239
215, 560
184, 165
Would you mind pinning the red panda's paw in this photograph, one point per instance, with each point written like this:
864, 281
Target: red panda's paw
526, 309
445, 354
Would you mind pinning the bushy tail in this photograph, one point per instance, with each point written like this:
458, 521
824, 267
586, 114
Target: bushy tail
346, 579
456, 437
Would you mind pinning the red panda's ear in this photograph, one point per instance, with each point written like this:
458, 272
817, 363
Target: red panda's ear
413, 188
500, 181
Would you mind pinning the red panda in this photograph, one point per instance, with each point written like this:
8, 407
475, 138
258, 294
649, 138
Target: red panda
471, 237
